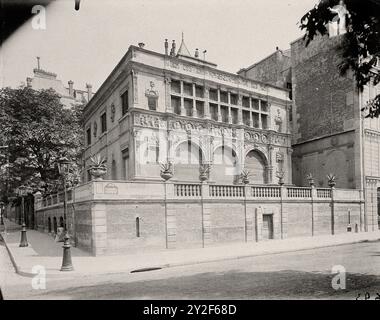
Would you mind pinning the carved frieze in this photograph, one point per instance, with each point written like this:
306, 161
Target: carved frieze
150, 121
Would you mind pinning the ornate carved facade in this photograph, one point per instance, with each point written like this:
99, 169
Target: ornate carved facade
184, 111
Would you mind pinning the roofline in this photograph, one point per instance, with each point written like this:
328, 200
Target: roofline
97, 93
260, 61
133, 47
225, 72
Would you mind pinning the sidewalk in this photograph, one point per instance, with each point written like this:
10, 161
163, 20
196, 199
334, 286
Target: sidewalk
44, 251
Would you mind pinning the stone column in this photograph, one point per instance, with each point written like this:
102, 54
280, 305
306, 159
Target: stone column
219, 113
229, 107
207, 103
260, 121
270, 164
195, 114
168, 105
250, 112
240, 110
183, 111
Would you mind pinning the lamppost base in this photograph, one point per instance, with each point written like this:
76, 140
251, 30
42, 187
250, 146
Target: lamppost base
67, 264
23, 241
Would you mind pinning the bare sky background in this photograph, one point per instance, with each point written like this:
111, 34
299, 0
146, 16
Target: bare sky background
85, 45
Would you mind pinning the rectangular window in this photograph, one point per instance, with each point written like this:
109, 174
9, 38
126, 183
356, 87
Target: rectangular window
124, 103
188, 89
264, 121
213, 93
125, 155
152, 103
88, 132
175, 86
223, 96
103, 120
255, 104
188, 104
214, 111
234, 115
224, 113
199, 91
264, 106
176, 104
234, 99
255, 119
246, 117
200, 109
245, 102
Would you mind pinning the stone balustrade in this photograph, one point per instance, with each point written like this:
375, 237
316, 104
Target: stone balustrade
105, 189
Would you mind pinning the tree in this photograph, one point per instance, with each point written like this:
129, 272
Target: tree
38, 131
360, 47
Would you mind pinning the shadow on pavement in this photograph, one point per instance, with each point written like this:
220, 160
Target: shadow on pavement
285, 284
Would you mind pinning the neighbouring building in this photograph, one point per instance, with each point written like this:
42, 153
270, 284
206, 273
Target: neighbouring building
69, 95
330, 133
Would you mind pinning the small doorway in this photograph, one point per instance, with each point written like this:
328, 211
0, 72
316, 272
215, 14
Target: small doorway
267, 228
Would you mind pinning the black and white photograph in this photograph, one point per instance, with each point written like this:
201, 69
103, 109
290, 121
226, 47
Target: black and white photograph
204, 152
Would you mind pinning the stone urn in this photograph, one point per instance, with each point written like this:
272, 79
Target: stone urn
166, 172
310, 179
98, 172
331, 180
245, 176
204, 171
98, 167
280, 176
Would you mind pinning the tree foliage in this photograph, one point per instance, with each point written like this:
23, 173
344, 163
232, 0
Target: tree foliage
360, 44
38, 131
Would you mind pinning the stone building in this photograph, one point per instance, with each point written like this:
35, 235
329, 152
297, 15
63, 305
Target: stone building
69, 95
329, 131
174, 107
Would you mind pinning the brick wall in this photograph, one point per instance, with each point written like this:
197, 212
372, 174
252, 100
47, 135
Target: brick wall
323, 99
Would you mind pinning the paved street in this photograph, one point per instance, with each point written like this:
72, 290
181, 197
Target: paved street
303, 274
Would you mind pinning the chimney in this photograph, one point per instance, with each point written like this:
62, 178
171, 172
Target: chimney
29, 82
89, 91
196, 55
71, 88
172, 51
276, 48
166, 47
141, 45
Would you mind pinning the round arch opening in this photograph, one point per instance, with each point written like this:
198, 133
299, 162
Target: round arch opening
255, 163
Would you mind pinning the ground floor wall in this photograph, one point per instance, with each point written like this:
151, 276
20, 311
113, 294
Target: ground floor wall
125, 226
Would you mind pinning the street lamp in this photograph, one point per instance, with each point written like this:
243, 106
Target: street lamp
63, 168
23, 191
2, 213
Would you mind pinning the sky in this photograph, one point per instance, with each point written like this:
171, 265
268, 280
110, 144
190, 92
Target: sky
84, 46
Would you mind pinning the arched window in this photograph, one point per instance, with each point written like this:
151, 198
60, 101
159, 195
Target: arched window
225, 169
113, 170
61, 223
255, 163
138, 227
187, 160
55, 224
49, 224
